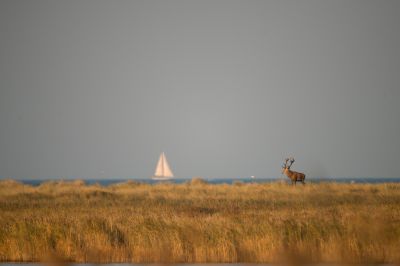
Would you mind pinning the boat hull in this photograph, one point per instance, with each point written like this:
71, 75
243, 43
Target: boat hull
161, 178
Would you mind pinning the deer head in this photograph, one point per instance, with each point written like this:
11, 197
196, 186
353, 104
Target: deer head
284, 165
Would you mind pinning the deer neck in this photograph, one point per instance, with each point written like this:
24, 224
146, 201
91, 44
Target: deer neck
288, 172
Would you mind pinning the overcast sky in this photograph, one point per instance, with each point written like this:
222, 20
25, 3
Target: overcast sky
96, 89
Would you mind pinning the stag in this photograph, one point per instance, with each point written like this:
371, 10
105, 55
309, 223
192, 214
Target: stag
293, 176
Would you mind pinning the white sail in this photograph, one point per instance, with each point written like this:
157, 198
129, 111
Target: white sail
163, 171
159, 168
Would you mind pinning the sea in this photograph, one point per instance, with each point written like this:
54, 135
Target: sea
111, 181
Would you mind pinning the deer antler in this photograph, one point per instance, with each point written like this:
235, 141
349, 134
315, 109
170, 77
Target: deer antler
285, 164
291, 162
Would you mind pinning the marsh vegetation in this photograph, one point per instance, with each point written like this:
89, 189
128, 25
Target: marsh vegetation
198, 222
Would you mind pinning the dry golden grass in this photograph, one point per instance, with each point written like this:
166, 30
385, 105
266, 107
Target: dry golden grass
198, 222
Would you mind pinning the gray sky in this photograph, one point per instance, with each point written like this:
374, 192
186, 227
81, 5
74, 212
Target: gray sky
96, 89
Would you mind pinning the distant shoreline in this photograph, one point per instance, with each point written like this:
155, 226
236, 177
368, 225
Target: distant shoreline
111, 181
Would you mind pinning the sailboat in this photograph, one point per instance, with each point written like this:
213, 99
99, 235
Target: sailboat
163, 171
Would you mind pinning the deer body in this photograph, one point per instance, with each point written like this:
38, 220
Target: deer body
292, 175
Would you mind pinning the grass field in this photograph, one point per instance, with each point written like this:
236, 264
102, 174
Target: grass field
198, 222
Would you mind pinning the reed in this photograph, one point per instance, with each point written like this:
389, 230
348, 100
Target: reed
199, 222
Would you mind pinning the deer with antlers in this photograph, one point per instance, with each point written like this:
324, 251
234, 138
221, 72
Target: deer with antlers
294, 176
